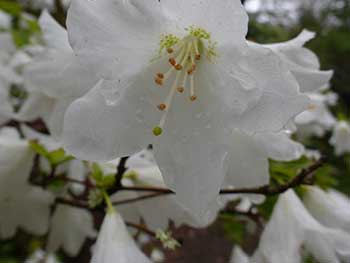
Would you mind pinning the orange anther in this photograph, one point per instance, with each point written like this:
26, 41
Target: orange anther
160, 75
178, 67
193, 97
161, 106
158, 81
181, 89
172, 61
198, 56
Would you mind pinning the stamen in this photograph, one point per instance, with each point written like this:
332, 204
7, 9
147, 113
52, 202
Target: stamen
160, 75
168, 102
170, 50
181, 89
193, 97
198, 55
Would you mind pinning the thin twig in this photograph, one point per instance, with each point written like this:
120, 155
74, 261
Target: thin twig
140, 198
142, 228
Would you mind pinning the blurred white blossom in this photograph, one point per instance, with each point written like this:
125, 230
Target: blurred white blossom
341, 137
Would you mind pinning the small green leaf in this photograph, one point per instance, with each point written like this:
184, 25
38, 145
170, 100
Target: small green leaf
97, 172
10, 7
38, 148
58, 157
107, 181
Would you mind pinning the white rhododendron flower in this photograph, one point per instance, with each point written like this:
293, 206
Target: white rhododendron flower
341, 137
40, 256
5, 20
22, 205
331, 208
178, 80
238, 256
302, 62
8, 76
292, 228
317, 119
114, 244
56, 76
70, 227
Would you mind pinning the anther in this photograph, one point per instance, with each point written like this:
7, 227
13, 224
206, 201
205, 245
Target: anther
198, 56
181, 89
170, 50
172, 61
160, 75
161, 106
193, 97
178, 66
158, 81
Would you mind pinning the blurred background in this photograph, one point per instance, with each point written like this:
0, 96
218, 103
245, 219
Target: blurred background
270, 21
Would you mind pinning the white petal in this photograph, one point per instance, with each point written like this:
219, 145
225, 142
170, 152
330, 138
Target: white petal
121, 36
70, 227
302, 62
238, 256
332, 209
114, 243
244, 152
54, 34
279, 146
227, 22
98, 130
280, 100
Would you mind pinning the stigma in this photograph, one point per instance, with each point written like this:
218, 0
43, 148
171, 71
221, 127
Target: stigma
183, 57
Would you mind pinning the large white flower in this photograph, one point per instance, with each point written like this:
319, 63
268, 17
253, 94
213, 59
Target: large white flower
341, 137
114, 243
69, 228
56, 77
178, 80
331, 208
302, 62
21, 204
317, 119
291, 228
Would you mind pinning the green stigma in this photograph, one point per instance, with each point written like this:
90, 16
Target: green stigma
198, 32
157, 131
167, 41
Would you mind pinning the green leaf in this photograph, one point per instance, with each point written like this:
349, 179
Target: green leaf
38, 148
107, 181
10, 7
234, 229
58, 157
97, 172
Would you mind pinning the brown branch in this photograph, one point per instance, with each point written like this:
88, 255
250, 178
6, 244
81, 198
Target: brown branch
141, 228
140, 198
264, 190
74, 203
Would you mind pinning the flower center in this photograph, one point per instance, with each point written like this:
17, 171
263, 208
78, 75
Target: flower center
184, 56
